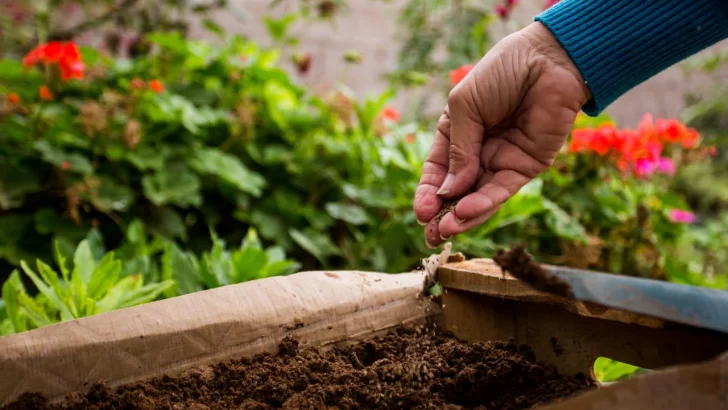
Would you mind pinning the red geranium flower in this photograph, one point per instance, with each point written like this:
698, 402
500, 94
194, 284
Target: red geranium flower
640, 150
65, 55
14, 98
459, 73
156, 86
390, 113
46, 94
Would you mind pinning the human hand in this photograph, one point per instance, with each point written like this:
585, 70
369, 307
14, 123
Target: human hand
503, 125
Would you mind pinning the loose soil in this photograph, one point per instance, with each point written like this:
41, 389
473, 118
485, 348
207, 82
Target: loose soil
521, 265
406, 369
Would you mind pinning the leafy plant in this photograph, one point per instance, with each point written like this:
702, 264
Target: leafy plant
86, 287
608, 370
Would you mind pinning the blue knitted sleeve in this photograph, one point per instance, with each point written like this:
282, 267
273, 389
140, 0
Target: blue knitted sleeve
618, 44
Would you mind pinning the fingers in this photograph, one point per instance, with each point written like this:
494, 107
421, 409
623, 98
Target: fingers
476, 208
466, 139
503, 185
437, 233
427, 203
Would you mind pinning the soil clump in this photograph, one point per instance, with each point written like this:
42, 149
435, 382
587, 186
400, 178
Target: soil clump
521, 265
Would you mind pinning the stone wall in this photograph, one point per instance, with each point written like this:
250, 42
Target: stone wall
370, 26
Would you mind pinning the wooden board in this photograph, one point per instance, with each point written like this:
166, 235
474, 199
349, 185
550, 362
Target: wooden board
480, 304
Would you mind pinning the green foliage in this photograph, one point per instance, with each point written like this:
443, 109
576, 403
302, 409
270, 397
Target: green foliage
707, 109
85, 287
608, 370
460, 29
89, 280
231, 144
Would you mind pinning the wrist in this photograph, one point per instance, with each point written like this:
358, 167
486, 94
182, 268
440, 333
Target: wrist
543, 43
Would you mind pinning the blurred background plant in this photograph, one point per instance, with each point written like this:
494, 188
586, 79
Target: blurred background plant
117, 27
158, 165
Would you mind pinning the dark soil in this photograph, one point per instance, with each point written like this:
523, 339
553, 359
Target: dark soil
407, 369
521, 265
447, 206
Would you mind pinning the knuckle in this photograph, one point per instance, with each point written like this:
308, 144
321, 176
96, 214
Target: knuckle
459, 155
456, 97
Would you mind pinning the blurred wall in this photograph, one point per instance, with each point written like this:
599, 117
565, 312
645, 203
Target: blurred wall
370, 26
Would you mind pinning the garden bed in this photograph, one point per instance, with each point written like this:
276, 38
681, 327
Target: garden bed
415, 368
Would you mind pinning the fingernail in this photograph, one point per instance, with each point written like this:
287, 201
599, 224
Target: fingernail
460, 221
429, 245
421, 223
447, 185
444, 238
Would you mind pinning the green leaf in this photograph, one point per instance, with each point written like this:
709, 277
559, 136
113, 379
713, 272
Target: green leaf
281, 101
48, 292
50, 277
112, 196
146, 158
280, 268
172, 41
315, 243
352, 214
15, 183
229, 169
96, 243
167, 222
251, 240
37, 315
84, 262
135, 232
608, 370
13, 228
58, 157
175, 186
248, 264
275, 254
49, 222
277, 28
104, 277
177, 266
12, 287
61, 260
216, 267
213, 27
563, 224
13, 71
145, 294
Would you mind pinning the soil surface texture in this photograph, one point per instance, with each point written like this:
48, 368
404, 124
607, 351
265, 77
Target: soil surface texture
521, 265
410, 368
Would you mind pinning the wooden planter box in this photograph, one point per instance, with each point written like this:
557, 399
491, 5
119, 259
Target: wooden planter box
329, 307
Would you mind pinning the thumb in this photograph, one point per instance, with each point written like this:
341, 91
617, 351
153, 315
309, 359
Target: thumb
466, 139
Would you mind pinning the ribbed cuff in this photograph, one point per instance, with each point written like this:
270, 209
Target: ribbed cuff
618, 44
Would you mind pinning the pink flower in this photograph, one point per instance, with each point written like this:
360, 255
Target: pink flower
501, 11
666, 166
550, 3
681, 216
645, 167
